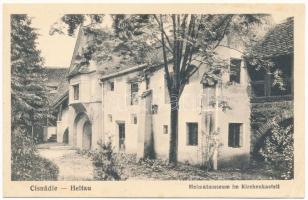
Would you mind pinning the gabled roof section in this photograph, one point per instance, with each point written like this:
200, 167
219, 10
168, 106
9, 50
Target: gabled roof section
118, 59
56, 77
278, 41
75, 67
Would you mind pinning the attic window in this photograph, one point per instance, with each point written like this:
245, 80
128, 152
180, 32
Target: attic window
235, 70
52, 89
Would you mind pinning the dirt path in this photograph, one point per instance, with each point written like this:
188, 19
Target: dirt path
72, 166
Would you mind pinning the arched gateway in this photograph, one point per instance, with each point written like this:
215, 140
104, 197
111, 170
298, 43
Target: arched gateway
65, 136
82, 131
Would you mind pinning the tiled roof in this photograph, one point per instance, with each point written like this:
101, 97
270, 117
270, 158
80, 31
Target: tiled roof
56, 77
278, 41
116, 62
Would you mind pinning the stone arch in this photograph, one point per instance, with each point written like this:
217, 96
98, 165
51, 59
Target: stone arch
66, 136
265, 131
80, 121
87, 135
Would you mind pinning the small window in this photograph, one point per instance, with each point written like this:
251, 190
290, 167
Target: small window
76, 91
165, 129
134, 87
52, 89
111, 85
235, 135
235, 70
154, 109
110, 117
134, 119
192, 134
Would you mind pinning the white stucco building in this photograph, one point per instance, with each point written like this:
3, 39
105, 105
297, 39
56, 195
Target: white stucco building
134, 113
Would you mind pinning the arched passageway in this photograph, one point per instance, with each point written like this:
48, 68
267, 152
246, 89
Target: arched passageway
65, 136
82, 131
87, 135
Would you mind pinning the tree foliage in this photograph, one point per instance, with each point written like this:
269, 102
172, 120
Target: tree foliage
278, 149
28, 91
28, 103
105, 161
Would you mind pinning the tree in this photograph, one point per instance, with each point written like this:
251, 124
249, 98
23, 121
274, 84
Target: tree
28, 103
187, 42
28, 92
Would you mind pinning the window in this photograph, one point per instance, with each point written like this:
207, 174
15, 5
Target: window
235, 70
235, 135
133, 119
165, 129
154, 109
52, 89
76, 91
192, 134
111, 85
110, 117
134, 87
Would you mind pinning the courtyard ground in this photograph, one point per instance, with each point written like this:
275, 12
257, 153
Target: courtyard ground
74, 166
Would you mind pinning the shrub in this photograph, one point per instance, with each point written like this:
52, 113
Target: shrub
106, 164
26, 165
278, 150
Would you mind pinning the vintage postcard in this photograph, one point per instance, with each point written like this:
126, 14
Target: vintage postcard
201, 100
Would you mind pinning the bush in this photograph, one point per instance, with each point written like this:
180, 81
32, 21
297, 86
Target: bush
106, 164
26, 165
278, 150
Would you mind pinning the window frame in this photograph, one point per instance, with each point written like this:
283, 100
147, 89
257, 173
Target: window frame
134, 119
192, 141
134, 94
165, 129
76, 92
238, 71
235, 139
111, 86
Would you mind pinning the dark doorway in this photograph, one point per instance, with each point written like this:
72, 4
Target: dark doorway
87, 136
121, 127
65, 136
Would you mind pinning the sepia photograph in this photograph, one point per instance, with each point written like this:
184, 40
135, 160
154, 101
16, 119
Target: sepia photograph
144, 96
